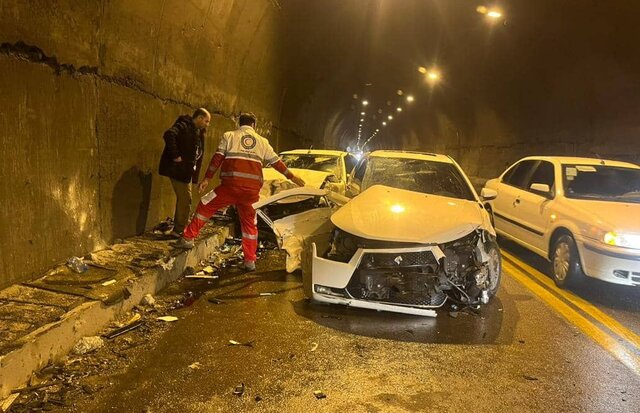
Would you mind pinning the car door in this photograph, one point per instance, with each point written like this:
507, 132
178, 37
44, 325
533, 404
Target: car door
534, 208
510, 191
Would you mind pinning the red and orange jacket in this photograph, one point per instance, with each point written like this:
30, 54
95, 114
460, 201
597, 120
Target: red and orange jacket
241, 155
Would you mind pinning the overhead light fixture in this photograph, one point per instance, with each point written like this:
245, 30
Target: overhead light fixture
398, 109
384, 123
365, 102
410, 99
422, 70
390, 117
362, 113
399, 92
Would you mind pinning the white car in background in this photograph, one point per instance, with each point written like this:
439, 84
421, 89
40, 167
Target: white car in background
414, 235
319, 168
582, 214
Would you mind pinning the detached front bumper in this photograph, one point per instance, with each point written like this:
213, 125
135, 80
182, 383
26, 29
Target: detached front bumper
330, 281
611, 264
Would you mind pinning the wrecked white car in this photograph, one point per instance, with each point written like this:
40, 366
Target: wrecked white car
320, 169
414, 236
291, 217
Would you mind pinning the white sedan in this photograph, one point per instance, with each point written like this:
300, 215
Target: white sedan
414, 235
582, 214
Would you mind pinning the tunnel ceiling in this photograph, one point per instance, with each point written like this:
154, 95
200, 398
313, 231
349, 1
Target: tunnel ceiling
547, 68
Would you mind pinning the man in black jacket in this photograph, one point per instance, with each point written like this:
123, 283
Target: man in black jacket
181, 160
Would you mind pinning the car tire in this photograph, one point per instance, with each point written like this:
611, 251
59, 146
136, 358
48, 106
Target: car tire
565, 262
495, 267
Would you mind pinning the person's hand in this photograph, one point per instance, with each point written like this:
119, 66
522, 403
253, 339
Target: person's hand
178, 159
203, 185
297, 180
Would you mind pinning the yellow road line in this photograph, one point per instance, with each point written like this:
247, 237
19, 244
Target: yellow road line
579, 302
603, 339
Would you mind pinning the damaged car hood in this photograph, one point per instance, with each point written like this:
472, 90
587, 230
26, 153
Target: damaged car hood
397, 215
312, 178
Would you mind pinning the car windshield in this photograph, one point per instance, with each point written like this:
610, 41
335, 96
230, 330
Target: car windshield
437, 178
606, 183
324, 163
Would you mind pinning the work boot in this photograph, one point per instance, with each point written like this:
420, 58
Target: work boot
182, 243
249, 266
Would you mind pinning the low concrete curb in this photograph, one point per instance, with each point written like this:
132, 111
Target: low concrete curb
53, 341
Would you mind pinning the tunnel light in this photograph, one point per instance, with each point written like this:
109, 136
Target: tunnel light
491, 13
433, 75
390, 117
422, 70
365, 102
398, 109
399, 92
494, 14
410, 98
377, 130
361, 119
384, 123
362, 113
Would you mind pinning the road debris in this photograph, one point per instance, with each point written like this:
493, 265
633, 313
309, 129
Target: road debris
202, 276
108, 283
314, 346
167, 265
87, 345
77, 265
258, 398
319, 394
6, 403
237, 343
148, 300
124, 329
195, 366
168, 318
335, 317
208, 269
531, 378
239, 390
453, 314
266, 294
215, 300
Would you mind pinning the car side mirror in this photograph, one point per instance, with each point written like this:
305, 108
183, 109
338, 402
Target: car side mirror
542, 189
333, 179
488, 194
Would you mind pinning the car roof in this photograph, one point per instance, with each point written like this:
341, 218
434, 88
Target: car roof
313, 152
581, 161
425, 156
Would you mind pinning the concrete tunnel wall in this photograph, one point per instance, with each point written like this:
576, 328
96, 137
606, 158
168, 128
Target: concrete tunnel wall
87, 90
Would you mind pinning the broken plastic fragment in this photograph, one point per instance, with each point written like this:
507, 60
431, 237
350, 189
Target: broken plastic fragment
239, 390
319, 394
201, 277
266, 294
168, 318
237, 343
314, 346
215, 300
208, 269
107, 283
195, 366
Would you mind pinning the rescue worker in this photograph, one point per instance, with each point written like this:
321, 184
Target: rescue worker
181, 161
240, 156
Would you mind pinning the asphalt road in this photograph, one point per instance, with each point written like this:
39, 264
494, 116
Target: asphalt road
533, 348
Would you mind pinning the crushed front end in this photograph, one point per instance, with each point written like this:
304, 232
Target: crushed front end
406, 278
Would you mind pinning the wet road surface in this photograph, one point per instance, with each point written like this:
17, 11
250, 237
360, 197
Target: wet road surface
524, 352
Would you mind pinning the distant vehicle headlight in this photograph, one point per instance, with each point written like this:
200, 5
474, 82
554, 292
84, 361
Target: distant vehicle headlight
622, 240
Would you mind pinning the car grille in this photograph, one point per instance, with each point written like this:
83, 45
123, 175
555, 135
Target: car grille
398, 278
398, 260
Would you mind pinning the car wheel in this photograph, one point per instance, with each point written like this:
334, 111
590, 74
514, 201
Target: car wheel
495, 267
566, 262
